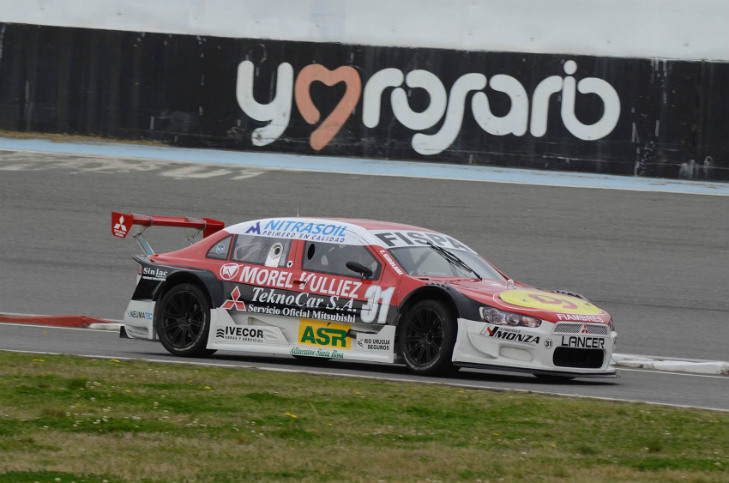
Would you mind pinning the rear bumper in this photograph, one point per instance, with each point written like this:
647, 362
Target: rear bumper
138, 320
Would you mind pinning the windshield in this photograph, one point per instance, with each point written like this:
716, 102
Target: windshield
424, 261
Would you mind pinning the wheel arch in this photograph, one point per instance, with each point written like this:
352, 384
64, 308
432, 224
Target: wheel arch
459, 304
439, 292
206, 281
437, 297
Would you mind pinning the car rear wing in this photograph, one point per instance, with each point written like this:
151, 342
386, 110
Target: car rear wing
122, 223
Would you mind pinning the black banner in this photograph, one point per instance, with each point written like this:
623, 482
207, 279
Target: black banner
641, 117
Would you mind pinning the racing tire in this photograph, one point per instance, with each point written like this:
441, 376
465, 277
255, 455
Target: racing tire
427, 335
182, 321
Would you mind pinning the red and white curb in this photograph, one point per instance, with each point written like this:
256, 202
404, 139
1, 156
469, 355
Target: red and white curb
75, 321
670, 364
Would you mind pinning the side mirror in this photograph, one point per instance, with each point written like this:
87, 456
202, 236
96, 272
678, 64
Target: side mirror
359, 268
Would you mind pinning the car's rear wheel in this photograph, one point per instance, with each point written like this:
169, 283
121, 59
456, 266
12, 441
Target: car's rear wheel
426, 336
182, 320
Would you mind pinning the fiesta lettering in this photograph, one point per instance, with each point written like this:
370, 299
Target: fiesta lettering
393, 239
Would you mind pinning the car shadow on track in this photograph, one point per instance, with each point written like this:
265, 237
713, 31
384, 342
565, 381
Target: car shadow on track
400, 372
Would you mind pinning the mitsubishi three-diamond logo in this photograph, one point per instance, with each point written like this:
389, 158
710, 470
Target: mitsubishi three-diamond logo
233, 302
121, 225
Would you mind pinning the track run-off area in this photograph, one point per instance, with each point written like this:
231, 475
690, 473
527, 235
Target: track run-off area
654, 253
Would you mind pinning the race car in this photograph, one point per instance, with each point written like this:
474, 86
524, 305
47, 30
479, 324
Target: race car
355, 290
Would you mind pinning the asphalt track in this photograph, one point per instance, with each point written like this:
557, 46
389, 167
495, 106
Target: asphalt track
675, 389
659, 262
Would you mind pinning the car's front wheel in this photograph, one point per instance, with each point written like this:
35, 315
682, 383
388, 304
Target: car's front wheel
182, 320
426, 335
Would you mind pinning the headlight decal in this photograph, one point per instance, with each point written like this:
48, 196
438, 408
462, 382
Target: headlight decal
495, 316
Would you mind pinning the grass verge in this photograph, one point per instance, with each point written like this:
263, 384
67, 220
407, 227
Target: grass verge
66, 419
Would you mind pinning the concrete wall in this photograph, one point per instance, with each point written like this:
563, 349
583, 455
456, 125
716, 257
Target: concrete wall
666, 29
622, 87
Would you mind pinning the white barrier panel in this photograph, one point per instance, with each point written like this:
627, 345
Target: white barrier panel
672, 29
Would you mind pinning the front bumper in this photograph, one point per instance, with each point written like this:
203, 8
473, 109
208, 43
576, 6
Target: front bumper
564, 348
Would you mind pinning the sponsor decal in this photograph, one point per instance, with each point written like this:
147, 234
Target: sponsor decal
580, 318
373, 344
392, 239
446, 107
307, 305
151, 273
537, 299
233, 302
318, 314
303, 299
220, 248
329, 285
138, 314
301, 313
324, 334
268, 277
333, 354
240, 334
229, 271
121, 227
301, 230
583, 342
391, 262
511, 335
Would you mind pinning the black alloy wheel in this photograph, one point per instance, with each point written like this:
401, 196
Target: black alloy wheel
182, 320
427, 336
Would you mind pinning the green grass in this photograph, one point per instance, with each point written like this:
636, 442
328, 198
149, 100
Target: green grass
66, 419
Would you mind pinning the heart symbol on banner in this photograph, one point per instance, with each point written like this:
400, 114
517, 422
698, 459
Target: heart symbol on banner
334, 122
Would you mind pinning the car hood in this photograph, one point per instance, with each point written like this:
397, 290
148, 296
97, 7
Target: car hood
523, 299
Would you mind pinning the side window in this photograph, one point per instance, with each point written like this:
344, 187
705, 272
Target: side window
220, 250
261, 250
333, 258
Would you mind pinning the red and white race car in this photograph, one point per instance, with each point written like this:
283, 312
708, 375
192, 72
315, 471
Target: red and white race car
356, 290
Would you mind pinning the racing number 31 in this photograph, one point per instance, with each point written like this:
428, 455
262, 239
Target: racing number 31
375, 295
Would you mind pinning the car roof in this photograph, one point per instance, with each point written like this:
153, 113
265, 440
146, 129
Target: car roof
352, 231
375, 225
